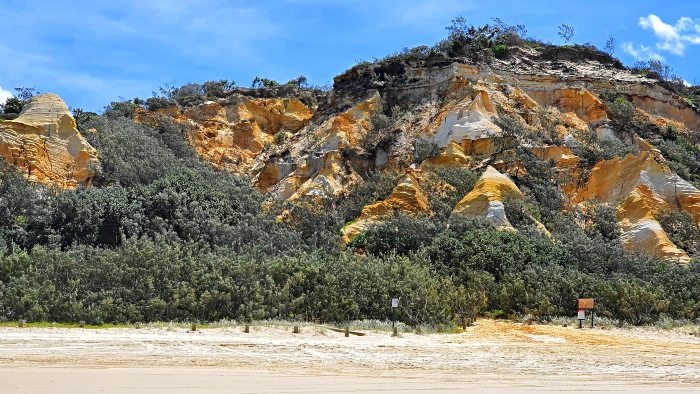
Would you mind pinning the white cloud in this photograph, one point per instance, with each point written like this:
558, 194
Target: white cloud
641, 53
4, 95
672, 38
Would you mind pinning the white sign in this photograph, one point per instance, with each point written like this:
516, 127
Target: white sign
581, 315
394, 302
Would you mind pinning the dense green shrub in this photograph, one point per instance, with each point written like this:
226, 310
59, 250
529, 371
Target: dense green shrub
678, 148
500, 51
158, 280
682, 230
194, 244
424, 149
14, 104
400, 234
445, 187
683, 157
131, 153
260, 82
468, 41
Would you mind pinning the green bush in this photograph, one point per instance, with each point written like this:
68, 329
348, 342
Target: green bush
424, 149
682, 230
147, 281
637, 304
500, 51
399, 235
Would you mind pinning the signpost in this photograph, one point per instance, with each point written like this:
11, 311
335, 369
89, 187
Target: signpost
583, 304
394, 307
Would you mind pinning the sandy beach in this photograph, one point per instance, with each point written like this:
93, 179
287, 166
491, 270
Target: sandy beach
491, 356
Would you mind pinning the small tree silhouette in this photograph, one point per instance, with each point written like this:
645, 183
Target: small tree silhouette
566, 32
610, 45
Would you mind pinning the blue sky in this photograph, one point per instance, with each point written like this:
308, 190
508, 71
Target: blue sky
92, 52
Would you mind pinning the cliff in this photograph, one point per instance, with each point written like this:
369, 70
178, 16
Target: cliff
423, 114
45, 145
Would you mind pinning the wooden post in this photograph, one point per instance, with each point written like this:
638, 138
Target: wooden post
137, 326
347, 332
296, 330
464, 323
193, 327
21, 323
81, 324
396, 332
246, 328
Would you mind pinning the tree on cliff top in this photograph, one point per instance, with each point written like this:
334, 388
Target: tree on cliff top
15, 104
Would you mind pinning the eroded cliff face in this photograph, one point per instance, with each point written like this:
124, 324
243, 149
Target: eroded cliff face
559, 110
312, 164
479, 116
230, 134
44, 143
644, 188
421, 117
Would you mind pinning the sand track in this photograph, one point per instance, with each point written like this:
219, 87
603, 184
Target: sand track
529, 354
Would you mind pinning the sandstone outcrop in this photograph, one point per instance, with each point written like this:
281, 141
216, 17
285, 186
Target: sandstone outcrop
470, 120
349, 127
465, 128
332, 179
645, 188
564, 160
232, 136
407, 197
640, 229
614, 179
487, 198
45, 145
314, 166
451, 156
560, 155
580, 102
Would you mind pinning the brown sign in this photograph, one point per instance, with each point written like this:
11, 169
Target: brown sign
585, 303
